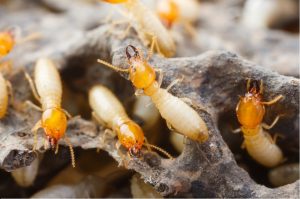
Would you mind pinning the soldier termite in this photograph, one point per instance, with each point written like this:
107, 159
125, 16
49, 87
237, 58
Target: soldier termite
109, 112
178, 12
179, 115
149, 27
47, 89
250, 111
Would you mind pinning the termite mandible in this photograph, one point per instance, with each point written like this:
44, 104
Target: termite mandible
47, 89
179, 115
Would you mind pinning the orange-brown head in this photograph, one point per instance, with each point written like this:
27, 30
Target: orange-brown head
115, 1
54, 122
168, 12
130, 135
250, 111
141, 74
7, 43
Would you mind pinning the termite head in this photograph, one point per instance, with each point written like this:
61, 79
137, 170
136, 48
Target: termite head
115, 1
141, 74
168, 12
54, 123
7, 43
131, 136
250, 111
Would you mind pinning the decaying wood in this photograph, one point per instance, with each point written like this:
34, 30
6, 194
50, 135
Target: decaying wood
212, 80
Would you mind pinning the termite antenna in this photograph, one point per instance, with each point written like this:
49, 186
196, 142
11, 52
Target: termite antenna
71, 151
160, 150
116, 68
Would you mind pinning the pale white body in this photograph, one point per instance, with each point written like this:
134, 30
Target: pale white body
189, 9
3, 96
25, 176
261, 149
183, 118
106, 105
148, 25
48, 83
264, 13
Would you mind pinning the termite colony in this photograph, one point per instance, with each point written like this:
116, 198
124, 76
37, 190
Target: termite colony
127, 128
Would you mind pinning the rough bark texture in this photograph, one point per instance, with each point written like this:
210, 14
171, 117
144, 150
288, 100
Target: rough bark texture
212, 80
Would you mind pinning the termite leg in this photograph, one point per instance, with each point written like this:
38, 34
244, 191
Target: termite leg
147, 144
238, 130
118, 145
154, 44
273, 139
67, 114
125, 32
33, 89
160, 77
102, 139
34, 130
32, 105
71, 151
190, 28
266, 126
173, 83
273, 100
170, 126
243, 146
193, 104
10, 91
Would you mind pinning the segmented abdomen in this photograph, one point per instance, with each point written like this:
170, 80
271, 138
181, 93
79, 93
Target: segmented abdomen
3, 96
48, 83
261, 148
180, 116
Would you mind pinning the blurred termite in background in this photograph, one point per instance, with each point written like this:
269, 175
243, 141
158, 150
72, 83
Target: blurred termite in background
47, 90
179, 115
140, 189
284, 174
250, 112
148, 26
270, 13
25, 176
173, 12
109, 112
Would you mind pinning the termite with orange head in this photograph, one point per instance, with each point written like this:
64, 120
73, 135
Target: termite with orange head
109, 112
178, 12
250, 112
178, 114
148, 26
47, 89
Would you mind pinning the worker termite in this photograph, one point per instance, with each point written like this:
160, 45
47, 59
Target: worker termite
179, 115
250, 111
6, 45
178, 12
108, 111
148, 26
47, 89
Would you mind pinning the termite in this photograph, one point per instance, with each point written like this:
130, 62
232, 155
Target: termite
250, 111
178, 114
6, 45
178, 12
148, 26
284, 174
109, 112
47, 90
